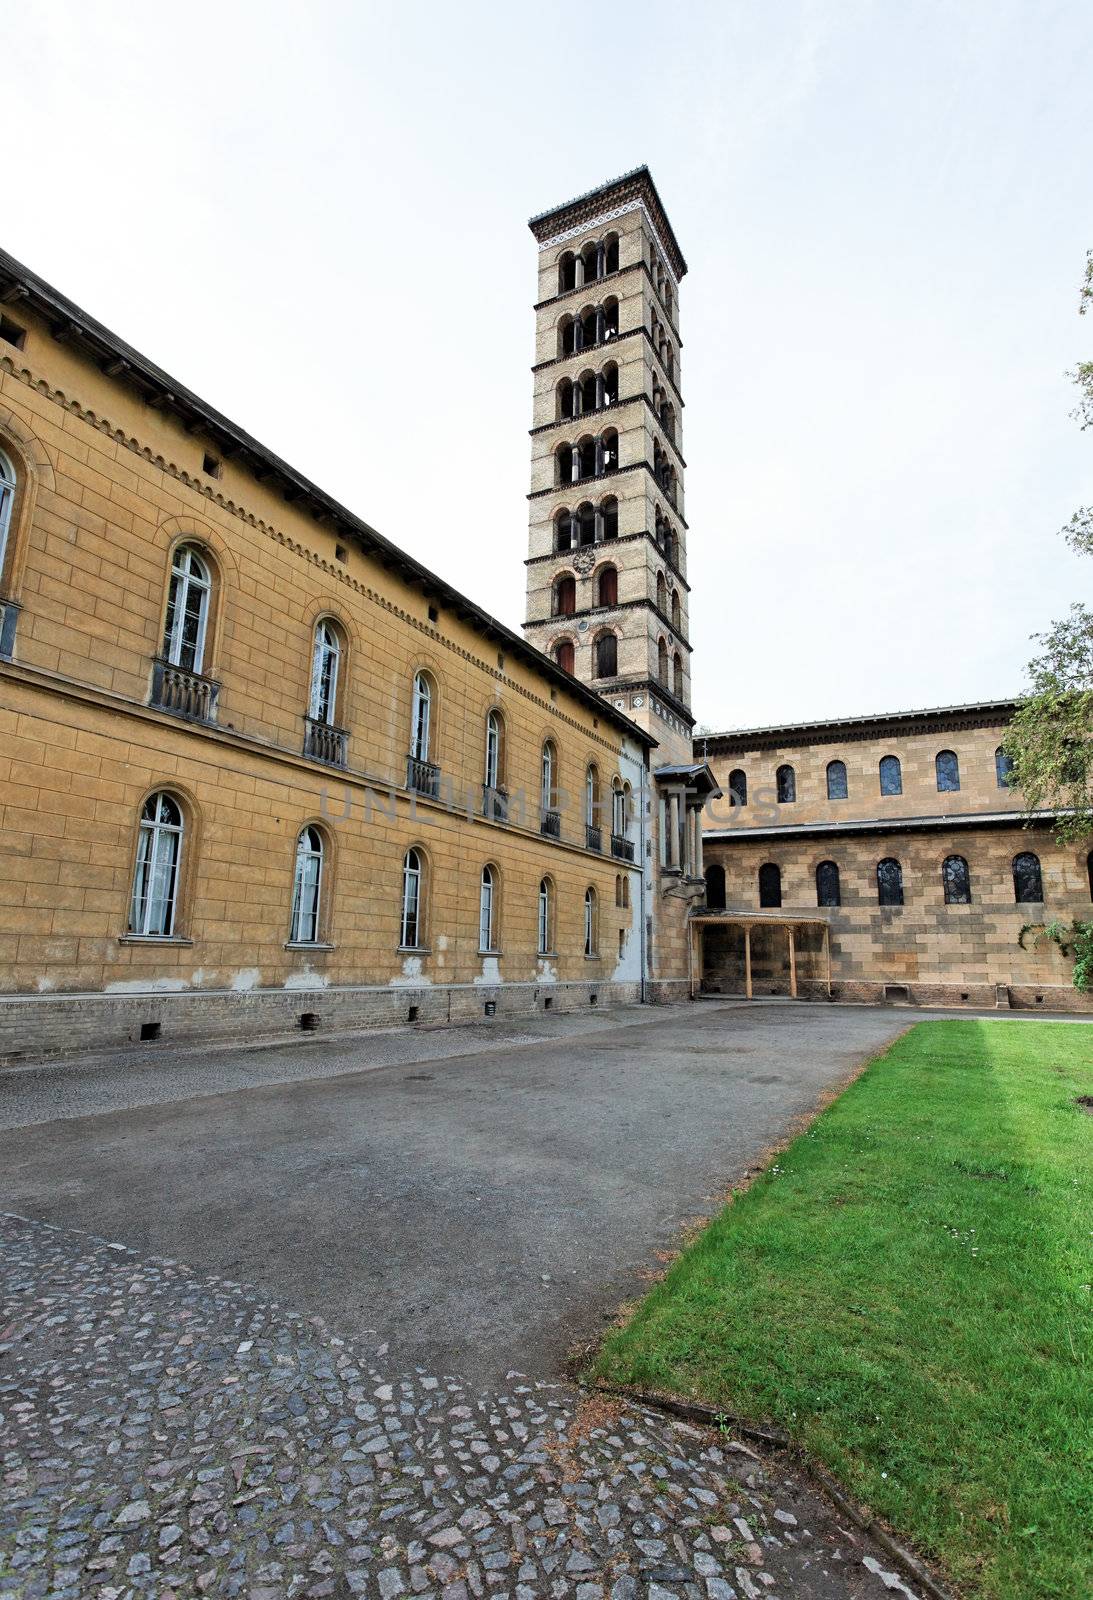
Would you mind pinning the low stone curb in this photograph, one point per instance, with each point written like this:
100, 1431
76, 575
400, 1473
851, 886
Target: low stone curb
774, 1439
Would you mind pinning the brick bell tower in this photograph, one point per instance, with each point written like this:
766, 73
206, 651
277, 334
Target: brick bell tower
607, 592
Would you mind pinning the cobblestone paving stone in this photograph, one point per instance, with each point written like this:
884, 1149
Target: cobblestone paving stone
168, 1434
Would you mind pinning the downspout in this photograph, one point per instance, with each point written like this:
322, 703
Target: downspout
646, 895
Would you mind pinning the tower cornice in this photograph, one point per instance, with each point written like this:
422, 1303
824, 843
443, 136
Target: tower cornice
632, 191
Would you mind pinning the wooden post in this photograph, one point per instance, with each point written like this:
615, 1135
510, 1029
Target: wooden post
792, 962
827, 952
747, 960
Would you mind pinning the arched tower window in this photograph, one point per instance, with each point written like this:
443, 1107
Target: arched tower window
891, 775
956, 881
770, 885
836, 780
827, 884
564, 595
677, 675
662, 663
607, 587
677, 613
564, 654
606, 656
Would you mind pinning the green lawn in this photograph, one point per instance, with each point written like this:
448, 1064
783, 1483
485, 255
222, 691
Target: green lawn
906, 1290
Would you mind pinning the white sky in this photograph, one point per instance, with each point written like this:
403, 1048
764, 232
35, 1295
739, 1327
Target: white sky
315, 217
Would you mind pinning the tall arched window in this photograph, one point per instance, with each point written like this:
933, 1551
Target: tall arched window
548, 789
421, 718
956, 881
785, 784
607, 587
662, 593
677, 613
618, 809
891, 775
565, 595
947, 768
715, 887
677, 675
770, 885
413, 901
187, 610
495, 750
7, 502
1003, 768
889, 882
325, 662
607, 656
591, 931
307, 887
738, 786
546, 916
592, 806
609, 517
564, 655
836, 780
662, 663
155, 881
487, 912
1028, 883
827, 884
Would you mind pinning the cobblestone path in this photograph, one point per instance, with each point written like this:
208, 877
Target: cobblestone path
171, 1435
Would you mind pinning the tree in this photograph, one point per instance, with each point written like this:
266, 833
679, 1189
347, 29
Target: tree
1050, 740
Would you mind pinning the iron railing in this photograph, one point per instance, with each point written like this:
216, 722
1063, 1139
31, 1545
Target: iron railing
623, 848
550, 823
592, 837
495, 803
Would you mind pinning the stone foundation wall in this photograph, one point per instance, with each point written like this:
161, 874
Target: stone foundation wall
37, 1025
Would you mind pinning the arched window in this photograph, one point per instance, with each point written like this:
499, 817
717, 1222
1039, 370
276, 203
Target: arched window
307, 887
155, 881
770, 885
325, 662
738, 786
568, 334
836, 780
586, 524
827, 884
785, 784
607, 457
548, 787
1003, 768
564, 595
7, 503
889, 882
546, 916
413, 901
563, 654
609, 517
487, 912
677, 675
607, 656
187, 610
619, 819
567, 272
1028, 883
715, 887
891, 775
592, 806
564, 529
591, 930
607, 587
421, 717
662, 663
662, 594
495, 751
947, 768
956, 881
677, 614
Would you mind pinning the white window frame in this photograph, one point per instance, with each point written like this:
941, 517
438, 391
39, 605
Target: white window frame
307, 887
325, 664
7, 502
487, 912
590, 922
548, 788
412, 899
421, 713
545, 910
591, 796
618, 809
493, 750
189, 576
153, 905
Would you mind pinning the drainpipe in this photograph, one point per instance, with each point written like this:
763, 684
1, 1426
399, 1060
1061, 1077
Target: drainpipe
643, 811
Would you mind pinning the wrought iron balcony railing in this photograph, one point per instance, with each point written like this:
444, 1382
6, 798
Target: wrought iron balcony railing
323, 742
423, 777
623, 848
185, 694
495, 803
550, 823
592, 837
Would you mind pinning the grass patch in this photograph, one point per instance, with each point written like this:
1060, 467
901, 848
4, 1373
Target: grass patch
906, 1290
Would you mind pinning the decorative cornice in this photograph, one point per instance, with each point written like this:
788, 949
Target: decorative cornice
634, 190
880, 825
845, 730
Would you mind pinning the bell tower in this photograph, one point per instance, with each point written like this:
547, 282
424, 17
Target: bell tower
607, 592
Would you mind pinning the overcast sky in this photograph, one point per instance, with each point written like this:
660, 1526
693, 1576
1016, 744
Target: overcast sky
316, 218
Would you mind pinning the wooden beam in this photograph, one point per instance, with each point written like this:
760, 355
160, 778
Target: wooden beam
747, 960
792, 962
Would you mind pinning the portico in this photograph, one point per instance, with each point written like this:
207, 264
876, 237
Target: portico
760, 952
